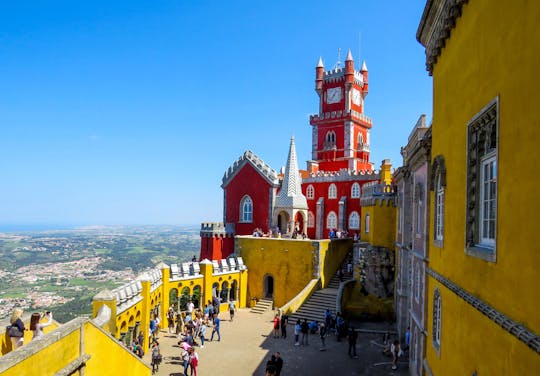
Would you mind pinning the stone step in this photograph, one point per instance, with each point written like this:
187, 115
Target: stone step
262, 306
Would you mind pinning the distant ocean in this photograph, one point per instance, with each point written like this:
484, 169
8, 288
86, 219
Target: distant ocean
26, 227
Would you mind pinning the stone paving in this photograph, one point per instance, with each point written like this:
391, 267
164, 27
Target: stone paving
247, 343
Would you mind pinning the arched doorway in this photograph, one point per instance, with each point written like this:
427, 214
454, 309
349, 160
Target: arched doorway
299, 223
268, 286
283, 222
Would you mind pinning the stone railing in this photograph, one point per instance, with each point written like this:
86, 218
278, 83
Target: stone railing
292, 305
217, 228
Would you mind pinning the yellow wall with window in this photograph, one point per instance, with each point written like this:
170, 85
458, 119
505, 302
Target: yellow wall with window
491, 53
382, 223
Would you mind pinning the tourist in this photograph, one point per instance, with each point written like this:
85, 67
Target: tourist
276, 326
206, 312
140, 337
37, 326
353, 337
284, 322
156, 357
328, 319
158, 324
297, 330
232, 309
407, 338
202, 332
153, 328
190, 307
271, 365
185, 359
340, 324
16, 329
314, 327
322, 335
395, 349
194, 258
170, 320
193, 361
278, 363
216, 328
349, 267
304, 328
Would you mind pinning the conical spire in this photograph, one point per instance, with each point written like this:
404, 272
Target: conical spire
349, 56
364, 67
320, 63
290, 194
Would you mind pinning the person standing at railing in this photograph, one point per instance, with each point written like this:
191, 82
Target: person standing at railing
37, 326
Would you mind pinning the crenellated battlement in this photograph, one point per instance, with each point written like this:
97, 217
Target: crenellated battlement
342, 175
375, 192
209, 229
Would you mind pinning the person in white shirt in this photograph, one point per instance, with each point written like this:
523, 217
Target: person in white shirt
37, 326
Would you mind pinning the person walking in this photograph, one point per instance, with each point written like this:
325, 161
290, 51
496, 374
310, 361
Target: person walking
37, 326
396, 351
202, 333
304, 328
185, 360
284, 322
232, 309
193, 361
353, 337
297, 330
322, 334
16, 330
216, 328
276, 326
156, 357
278, 363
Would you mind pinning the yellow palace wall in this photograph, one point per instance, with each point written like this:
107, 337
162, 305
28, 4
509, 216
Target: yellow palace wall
491, 52
382, 223
290, 262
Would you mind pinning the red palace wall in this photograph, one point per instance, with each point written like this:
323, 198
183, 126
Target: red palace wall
216, 247
248, 182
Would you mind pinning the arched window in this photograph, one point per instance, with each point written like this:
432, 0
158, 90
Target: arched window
310, 192
437, 304
331, 137
438, 185
360, 140
310, 220
331, 220
332, 191
354, 221
366, 224
246, 210
355, 190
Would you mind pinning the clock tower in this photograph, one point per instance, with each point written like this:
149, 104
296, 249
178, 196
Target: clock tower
340, 138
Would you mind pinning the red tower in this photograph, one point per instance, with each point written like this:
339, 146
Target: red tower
340, 138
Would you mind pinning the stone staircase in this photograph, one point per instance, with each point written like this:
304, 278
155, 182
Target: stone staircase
262, 306
313, 309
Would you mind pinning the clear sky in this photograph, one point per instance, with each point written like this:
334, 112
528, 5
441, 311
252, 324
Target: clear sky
129, 112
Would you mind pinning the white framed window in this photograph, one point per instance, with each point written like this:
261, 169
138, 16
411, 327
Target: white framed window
330, 137
310, 192
360, 139
437, 310
481, 208
310, 220
488, 201
366, 223
355, 190
246, 210
331, 220
354, 221
439, 209
332, 191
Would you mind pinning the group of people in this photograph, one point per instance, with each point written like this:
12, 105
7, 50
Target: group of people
16, 328
274, 365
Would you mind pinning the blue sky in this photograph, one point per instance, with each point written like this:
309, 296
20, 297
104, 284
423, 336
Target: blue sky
129, 112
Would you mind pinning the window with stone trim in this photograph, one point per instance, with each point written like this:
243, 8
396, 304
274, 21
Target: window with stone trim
310, 220
418, 202
355, 190
310, 192
438, 185
330, 138
354, 221
246, 210
331, 220
418, 283
366, 223
332, 191
437, 310
481, 215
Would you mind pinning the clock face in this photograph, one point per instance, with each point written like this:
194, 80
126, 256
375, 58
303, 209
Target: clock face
333, 95
356, 97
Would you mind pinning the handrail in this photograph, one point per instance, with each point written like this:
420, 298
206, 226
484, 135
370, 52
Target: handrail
339, 297
295, 303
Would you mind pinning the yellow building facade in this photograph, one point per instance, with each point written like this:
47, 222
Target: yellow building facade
483, 302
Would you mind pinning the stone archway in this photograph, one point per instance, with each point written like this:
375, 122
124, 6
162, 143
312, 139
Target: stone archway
283, 219
268, 286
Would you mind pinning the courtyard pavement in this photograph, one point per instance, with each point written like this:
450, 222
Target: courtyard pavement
247, 343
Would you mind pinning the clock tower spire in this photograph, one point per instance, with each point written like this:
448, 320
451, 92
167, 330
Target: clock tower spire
340, 138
